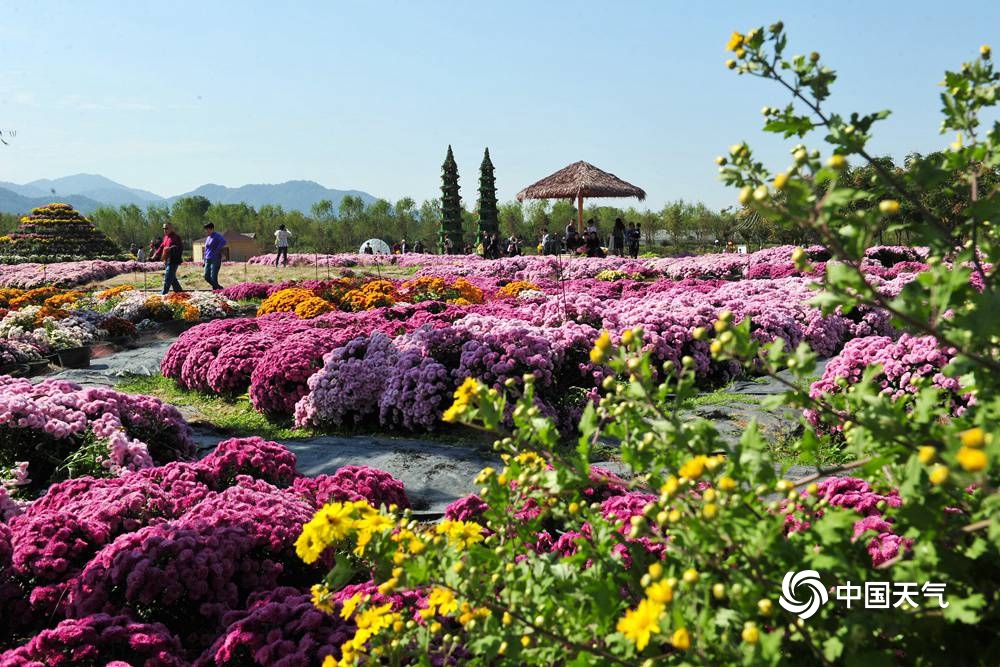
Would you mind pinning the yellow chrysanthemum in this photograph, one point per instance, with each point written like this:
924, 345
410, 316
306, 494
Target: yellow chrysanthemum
461, 534
693, 468
735, 41
331, 524
349, 605
440, 601
322, 598
284, 301
641, 623
466, 392
367, 527
514, 288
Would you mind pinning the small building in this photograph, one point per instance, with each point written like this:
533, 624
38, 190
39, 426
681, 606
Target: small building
239, 247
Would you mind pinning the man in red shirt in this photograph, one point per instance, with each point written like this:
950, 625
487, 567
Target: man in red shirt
171, 251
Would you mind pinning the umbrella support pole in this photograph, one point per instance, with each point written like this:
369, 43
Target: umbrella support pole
579, 213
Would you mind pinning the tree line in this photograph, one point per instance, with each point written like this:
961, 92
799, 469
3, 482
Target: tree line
343, 228
679, 226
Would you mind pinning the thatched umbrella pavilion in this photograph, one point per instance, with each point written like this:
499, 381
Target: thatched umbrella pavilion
578, 180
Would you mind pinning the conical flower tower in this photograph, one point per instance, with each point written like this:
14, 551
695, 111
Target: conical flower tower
57, 233
489, 216
451, 205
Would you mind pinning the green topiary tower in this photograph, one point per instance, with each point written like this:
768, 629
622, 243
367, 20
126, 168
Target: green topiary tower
451, 205
489, 216
57, 233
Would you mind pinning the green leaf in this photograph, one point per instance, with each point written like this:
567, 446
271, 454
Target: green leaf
789, 126
832, 648
964, 610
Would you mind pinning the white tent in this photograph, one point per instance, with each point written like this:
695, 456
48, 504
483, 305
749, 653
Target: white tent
378, 247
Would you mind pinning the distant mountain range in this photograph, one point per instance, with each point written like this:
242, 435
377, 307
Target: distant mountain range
87, 192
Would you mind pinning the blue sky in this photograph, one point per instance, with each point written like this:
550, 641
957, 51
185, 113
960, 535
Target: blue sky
167, 96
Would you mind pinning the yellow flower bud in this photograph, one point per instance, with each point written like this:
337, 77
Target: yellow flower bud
926, 454
746, 192
506, 619
985, 51
761, 193
939, 474
526, 641
780, 180
974, 437
690, 575
972, 460
765, 606
710, 510
670, 486
674, 516
731, 64
837, 162
750, 634
661, 592
655, 571
726, 483
740, 53
718, 591
681, 639
888, 207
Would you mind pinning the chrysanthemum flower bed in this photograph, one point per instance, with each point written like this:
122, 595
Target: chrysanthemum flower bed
388, 353
51, 318
56, 429
181, 564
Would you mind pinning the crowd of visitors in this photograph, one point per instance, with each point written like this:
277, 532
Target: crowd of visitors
623, 240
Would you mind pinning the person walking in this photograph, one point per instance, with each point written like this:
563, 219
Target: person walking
632, 235
171, 251
153, 245
281, 237
618, 238
214, 244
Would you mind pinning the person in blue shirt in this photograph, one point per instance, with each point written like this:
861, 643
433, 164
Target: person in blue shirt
213, 255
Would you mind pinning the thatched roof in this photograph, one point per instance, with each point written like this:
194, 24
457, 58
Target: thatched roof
580, 179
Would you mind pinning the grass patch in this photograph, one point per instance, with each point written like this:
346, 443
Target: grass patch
784, 451
722, 397
191, 276
237, 418
234, 417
